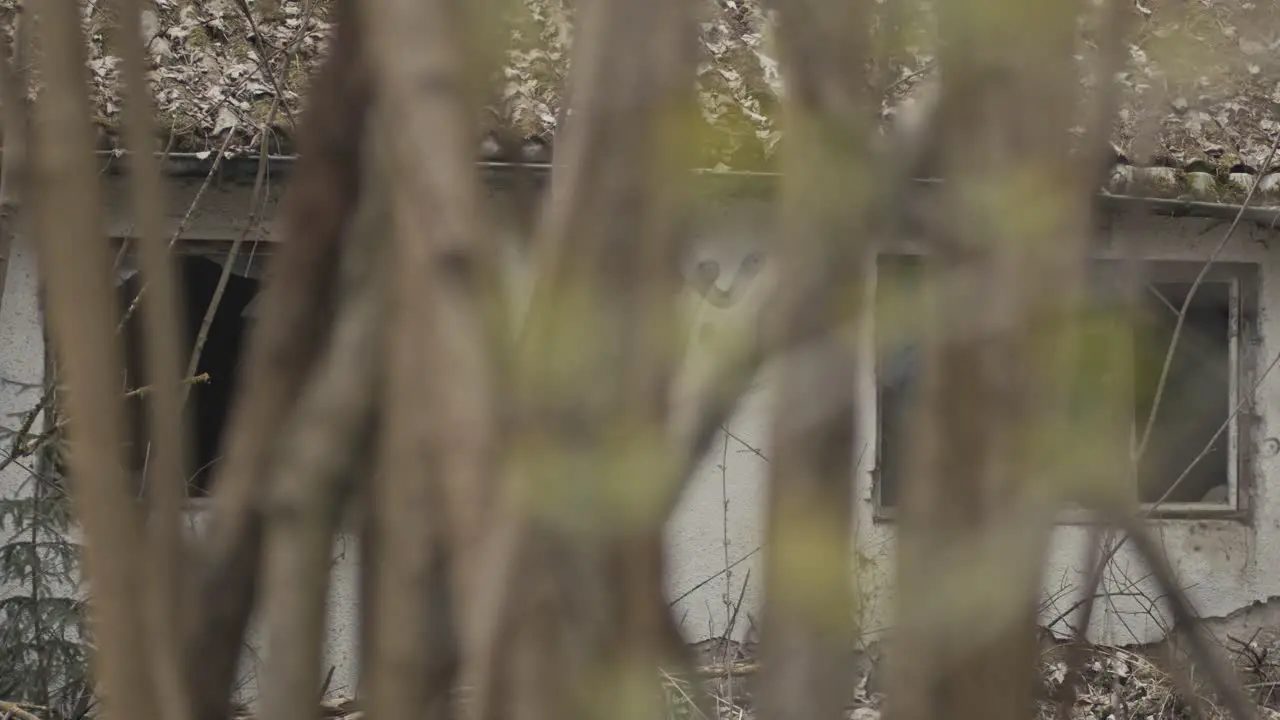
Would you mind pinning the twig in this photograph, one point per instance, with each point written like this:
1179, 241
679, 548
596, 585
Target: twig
75, 263
726, 597
1168, 359
164, 472
740, 669
145, 389
750, 448
281, 353
926, 67
182, 224
26, 445
261, 52
728, 631
1186, 304
1076, 654
824, 206
231, 90
44, 402
328, 678
257, 201
1220, 676
31, 445
1115, 18
308, 486
712, 578
684, 695
15, 710
1208, 446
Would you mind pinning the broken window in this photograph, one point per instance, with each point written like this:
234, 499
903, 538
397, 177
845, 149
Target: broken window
1193, 459
210, 400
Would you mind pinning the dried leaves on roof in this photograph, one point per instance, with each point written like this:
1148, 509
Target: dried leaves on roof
1202, 83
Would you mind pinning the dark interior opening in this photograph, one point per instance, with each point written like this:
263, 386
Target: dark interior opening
1197, 394
208, 402
898, 367
1195, 403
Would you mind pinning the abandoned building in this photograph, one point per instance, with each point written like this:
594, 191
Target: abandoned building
1170, 205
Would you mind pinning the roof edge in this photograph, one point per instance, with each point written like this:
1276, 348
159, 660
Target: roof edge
243, 170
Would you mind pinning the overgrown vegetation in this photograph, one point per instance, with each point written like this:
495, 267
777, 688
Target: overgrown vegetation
44, 643
513, 474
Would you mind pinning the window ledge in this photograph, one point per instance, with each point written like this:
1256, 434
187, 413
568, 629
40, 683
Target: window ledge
1188, 512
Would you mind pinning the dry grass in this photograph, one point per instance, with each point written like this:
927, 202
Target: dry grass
1121, 683
1117, 684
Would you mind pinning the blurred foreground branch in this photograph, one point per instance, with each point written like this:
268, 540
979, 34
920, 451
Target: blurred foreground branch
514, 479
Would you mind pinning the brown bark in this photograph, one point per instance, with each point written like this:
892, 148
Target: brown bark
809, 631
166, 462
311, 481
75, 262
437, 451
578, 601
999, 358
296, 309
514, 519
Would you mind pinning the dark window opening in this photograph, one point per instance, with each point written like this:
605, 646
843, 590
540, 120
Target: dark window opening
1197, 398
1187, 459
208, 403
898, 366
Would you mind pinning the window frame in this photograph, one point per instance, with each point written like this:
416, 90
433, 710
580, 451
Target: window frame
216, 250
1244, 343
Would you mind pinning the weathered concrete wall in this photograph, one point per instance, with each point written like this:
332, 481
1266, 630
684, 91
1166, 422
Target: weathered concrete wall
21, 358
1227, 566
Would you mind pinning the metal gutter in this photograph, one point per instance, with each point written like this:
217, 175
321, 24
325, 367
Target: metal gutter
244, 169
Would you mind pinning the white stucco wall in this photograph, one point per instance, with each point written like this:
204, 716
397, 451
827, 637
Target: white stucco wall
21, 357
1224, 564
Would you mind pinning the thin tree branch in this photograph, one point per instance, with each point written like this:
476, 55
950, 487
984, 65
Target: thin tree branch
809, 621
602, 315
1186, 304
1203, 651
257, 200
76, 266
263, 64
295, 308
166, 485
182, 224
312, 478
438, 449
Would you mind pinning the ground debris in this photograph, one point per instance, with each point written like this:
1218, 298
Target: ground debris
1116, 684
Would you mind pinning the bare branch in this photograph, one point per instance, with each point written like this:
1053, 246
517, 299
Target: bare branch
311, 479
295, 311
75, 262
1203, 651
808, 626
1015, 210
438, 453
166, 468
602, 316
256, 200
